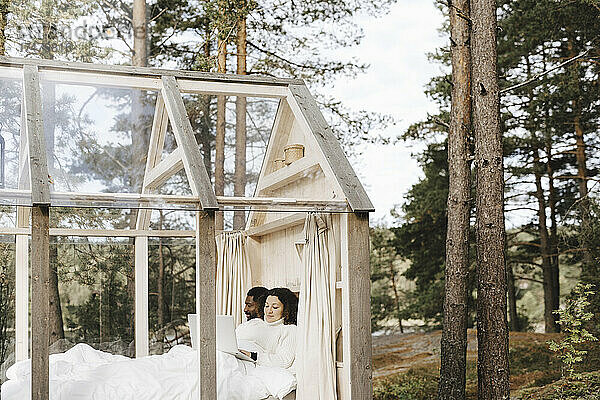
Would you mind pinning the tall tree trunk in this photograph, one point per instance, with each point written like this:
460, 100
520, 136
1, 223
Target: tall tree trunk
220, 135
55, 316
454, 336
3, 22
545, 252
587, 267
55, 321
396, 296
553, 237
140, 34
512, 300
139, 136
239, 179
205, 135
492, 326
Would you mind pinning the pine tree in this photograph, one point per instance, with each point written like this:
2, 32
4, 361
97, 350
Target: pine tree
492, 327
454, 336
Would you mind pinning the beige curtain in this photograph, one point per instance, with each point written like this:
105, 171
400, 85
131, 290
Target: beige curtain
315, 355
233, 274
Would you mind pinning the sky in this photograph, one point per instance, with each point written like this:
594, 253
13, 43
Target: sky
395, 46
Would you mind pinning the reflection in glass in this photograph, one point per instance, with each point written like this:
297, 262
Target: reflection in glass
96, 137
11, 94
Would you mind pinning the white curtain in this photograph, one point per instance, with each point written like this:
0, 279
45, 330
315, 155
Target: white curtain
315, 353
233, 277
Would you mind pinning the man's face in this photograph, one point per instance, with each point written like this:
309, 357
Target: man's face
251, 308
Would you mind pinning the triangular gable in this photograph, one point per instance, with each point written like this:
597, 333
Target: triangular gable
323, 172
170, 109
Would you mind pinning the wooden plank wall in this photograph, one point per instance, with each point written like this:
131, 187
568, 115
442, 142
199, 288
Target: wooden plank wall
274, 260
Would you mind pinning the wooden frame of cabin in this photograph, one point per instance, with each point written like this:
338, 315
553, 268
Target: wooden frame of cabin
276, 211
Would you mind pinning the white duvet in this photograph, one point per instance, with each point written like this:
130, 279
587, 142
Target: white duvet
85, 373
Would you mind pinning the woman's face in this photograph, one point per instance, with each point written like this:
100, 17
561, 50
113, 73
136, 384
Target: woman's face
273, 309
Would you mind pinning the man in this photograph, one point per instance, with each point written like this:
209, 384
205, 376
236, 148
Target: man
252, 308
254, 314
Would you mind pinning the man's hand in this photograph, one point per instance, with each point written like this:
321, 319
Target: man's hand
246, 353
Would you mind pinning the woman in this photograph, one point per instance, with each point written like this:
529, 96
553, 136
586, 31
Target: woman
273, 340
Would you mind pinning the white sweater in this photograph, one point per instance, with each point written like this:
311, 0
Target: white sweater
275, 342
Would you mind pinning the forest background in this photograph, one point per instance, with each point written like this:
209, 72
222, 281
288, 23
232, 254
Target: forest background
548, 70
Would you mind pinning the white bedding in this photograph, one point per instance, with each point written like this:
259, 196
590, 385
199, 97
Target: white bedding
85, 373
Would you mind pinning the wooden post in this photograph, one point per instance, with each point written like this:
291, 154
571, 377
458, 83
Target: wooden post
206, 305
40, 274
356, 305
40, 233
141, 296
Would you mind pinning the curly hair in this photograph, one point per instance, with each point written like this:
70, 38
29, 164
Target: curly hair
289, 301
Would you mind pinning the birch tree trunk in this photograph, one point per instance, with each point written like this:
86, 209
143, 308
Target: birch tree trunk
454, 335
492, 326
239, 179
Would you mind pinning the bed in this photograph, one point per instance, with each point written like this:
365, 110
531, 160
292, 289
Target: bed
85, 373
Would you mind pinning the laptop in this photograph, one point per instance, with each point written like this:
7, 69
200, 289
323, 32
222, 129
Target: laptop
226, 339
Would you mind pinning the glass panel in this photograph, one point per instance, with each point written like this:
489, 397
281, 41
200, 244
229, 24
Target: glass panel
260, 117
95, 282
7, 304
97, 140
96, 137
172, 283
11, 95
95, 288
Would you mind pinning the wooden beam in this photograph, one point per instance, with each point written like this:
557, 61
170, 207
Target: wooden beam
155, 148
40, 289
333, 204
157, 135
206, 304
153, 83
302, 168
283, 121
38, 165
23, 165
168, 167
232, 89
141, 296
277, 225
136, 199
11, 72
307, 113
90, 78
192, 159
130, 71
356, 305
102, 232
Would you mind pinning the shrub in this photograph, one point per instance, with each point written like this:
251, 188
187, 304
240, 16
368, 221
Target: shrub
572, 320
